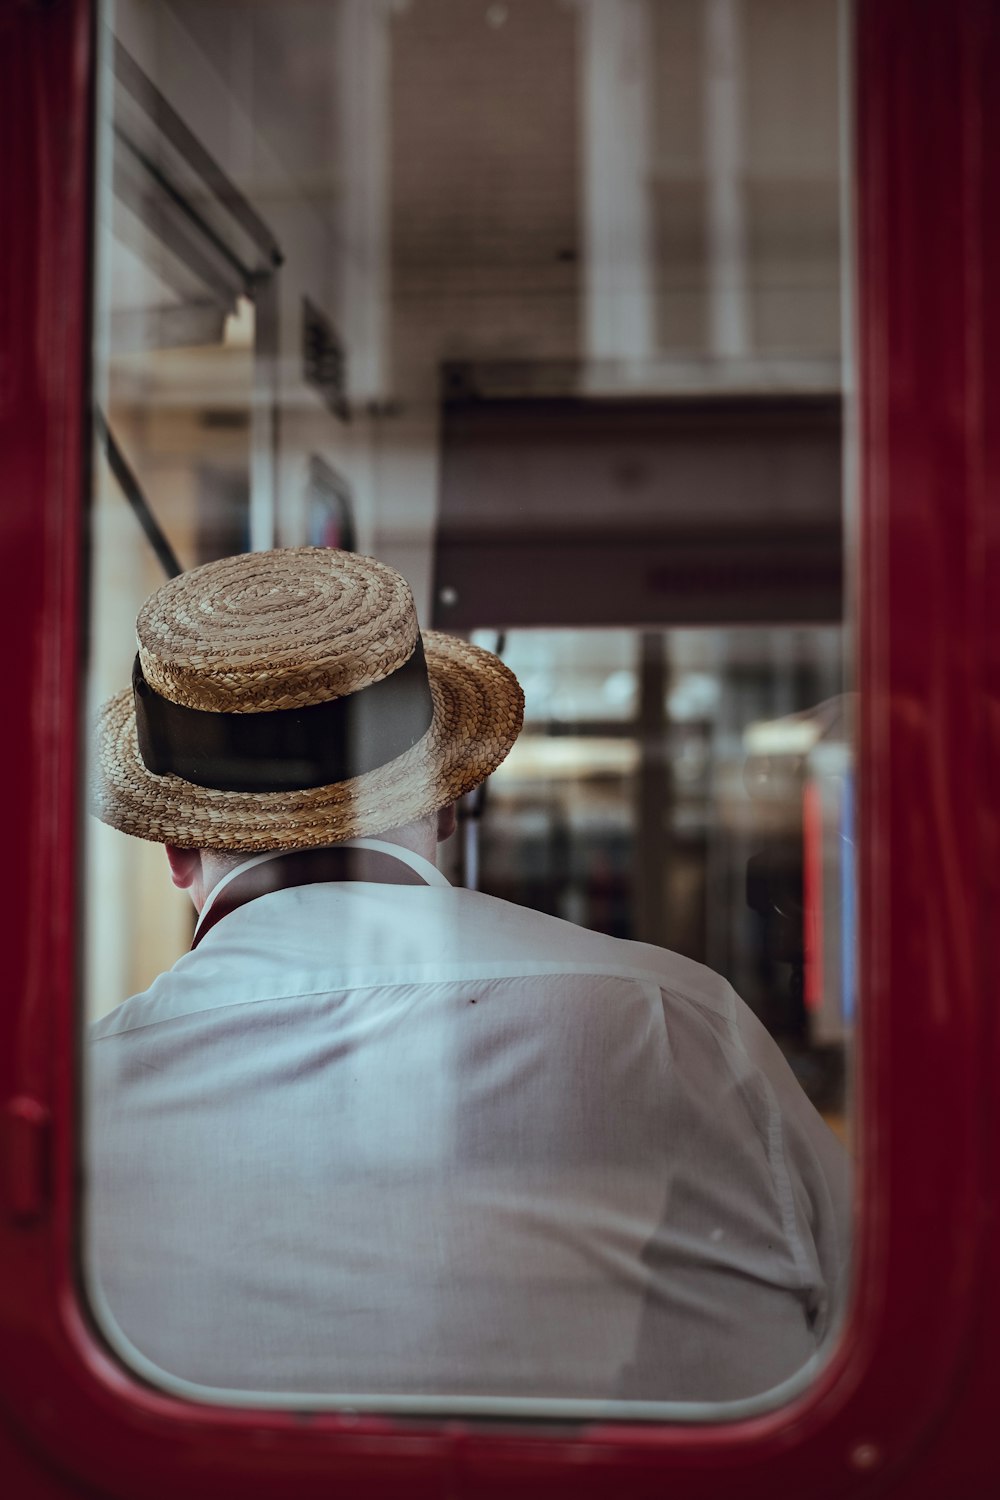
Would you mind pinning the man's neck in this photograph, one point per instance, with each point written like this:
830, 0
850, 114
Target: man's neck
419, 837
354, 860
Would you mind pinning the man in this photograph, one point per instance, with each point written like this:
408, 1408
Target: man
375, 1137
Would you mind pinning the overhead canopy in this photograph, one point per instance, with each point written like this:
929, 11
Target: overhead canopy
576, 511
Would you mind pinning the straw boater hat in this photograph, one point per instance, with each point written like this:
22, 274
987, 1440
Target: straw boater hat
286, 700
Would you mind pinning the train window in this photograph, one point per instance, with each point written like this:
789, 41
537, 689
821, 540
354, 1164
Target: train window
540, 307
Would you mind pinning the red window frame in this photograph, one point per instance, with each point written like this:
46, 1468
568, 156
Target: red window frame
905, 1406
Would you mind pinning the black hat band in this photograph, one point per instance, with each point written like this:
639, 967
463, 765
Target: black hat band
286, 750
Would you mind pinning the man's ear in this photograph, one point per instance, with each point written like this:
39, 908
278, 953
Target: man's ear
185, 866
446, 822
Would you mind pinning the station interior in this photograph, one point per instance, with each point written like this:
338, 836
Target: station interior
547, 304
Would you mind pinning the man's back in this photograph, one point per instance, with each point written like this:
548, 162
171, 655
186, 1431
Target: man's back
373, 1139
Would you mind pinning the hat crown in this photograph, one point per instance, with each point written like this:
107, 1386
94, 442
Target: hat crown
283, 629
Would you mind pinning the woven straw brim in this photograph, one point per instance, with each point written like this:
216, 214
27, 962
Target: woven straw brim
478, 711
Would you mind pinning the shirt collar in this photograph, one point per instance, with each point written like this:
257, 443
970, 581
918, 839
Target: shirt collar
429, 873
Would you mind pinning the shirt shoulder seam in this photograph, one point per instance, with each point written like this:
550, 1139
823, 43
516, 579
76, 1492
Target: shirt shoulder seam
418, 976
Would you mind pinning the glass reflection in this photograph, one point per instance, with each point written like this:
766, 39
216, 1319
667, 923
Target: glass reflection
540, 306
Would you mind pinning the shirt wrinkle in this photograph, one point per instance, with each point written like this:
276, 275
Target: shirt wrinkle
312, 1176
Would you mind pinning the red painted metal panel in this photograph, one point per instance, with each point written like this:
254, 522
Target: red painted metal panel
965, 1458
897, 1410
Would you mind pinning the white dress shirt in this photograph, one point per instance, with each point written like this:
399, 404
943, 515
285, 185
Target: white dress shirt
373, 1143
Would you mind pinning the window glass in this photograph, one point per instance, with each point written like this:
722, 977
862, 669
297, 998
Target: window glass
712, 818
431, 1066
